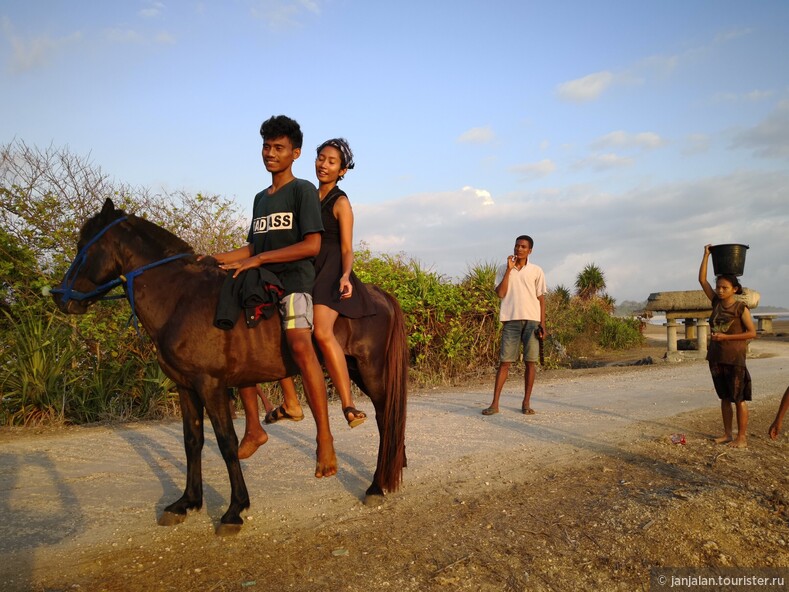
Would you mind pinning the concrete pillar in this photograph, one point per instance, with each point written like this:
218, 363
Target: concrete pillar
671, 334
703, 331
765, 324
690, 328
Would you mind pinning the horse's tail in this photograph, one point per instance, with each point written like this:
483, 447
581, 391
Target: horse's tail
393, 457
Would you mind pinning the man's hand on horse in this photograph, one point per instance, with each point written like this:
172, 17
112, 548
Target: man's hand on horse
242, 265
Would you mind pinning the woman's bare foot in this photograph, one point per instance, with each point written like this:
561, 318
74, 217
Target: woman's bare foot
723, 439
250, 443
739, 442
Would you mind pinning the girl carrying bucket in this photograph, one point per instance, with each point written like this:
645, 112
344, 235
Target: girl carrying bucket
731, 328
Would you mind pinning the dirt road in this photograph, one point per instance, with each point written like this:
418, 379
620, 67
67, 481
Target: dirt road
589, 493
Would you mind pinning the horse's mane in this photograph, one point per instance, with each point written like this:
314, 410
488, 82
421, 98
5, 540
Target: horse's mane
152, 234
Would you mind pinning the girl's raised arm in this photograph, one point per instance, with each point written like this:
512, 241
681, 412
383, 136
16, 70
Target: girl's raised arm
705, 285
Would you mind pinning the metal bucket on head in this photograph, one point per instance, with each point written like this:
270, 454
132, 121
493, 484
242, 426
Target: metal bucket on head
728, 259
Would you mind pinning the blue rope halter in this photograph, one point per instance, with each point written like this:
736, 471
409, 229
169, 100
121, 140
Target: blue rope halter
67, 286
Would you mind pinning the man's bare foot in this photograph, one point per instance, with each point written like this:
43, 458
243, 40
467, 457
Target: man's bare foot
249, 444
739, 442
723, 440
326, 463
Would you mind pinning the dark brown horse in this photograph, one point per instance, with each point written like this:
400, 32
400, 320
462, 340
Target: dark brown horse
175, 298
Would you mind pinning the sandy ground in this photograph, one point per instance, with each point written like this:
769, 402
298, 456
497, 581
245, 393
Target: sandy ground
589, 493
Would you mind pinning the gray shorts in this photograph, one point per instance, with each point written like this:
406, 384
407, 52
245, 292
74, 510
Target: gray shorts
513, 333
296, 311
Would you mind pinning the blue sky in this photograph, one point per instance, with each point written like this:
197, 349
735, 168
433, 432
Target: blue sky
625, 134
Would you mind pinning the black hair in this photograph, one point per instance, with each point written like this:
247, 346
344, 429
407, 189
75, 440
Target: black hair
346, 154
526, 237
732, 279
277, 126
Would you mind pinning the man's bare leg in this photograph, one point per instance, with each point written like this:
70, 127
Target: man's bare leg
300, 343
528, 380
501, 377
254, 434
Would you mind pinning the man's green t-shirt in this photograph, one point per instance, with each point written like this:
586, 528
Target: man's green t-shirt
282, 219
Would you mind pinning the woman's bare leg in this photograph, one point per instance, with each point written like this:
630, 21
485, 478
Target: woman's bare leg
728, 416
741, 441
333, 356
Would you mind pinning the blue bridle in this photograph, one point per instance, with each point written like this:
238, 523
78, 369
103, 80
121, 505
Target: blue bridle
67, 286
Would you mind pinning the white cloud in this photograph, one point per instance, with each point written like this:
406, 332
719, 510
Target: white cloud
35, 52
477, 135
482, 194
622, 139
153, 10
284, 13
585, 89
135, 37
696, 144
164, 38
592, 86
116, 35
770, 138
730, 35
601, 162
752, 96
542, 168
638, 238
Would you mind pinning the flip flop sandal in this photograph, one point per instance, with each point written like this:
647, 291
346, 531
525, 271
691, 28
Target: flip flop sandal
358, 416
490, 411
279, 413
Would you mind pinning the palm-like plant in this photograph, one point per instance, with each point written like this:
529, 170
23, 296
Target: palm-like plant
562, 294
590, 282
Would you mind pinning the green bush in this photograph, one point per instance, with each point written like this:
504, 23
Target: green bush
39, 369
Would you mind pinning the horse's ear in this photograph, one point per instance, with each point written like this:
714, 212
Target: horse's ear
108, 208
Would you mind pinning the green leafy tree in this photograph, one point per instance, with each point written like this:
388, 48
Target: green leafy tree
590, 282
562, 294
45, 196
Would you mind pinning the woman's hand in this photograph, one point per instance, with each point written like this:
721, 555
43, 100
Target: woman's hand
346, 289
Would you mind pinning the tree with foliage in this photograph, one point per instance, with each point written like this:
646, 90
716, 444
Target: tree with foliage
562, 294
45, 196
590, 282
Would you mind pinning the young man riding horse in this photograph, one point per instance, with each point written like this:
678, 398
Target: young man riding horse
284, 237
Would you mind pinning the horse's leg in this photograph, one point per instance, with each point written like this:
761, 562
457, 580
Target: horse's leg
192, 499
226, 439
383, 375
376, 489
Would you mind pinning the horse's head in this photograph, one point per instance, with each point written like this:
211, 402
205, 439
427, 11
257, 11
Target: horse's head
96, 265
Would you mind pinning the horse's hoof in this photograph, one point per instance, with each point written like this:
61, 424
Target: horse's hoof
228, 529
374, 499
171, 519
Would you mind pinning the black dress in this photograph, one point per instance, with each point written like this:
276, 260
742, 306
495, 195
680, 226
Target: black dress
328, 268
